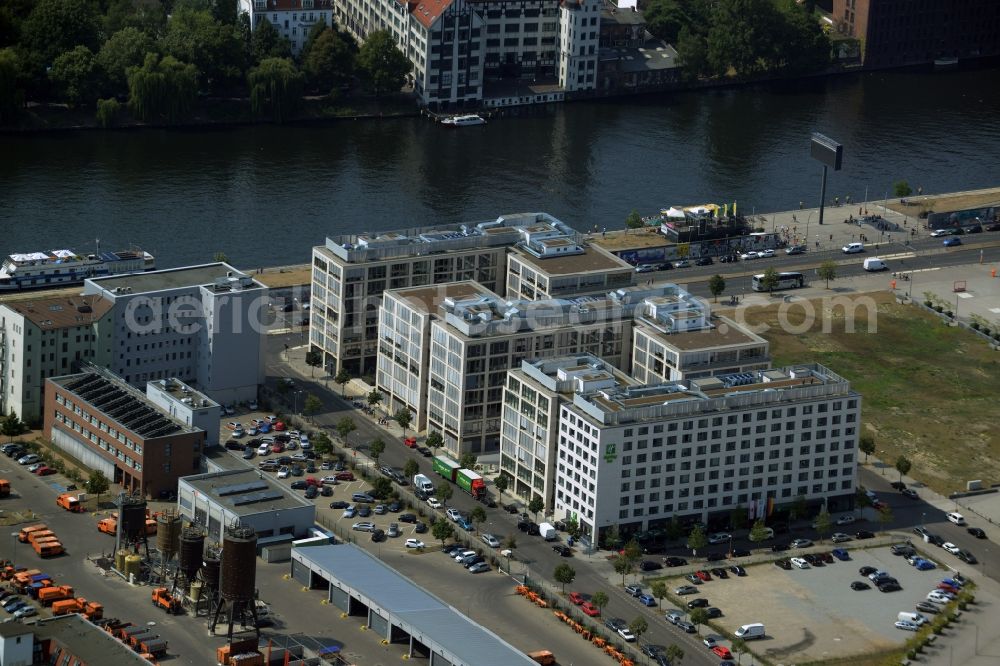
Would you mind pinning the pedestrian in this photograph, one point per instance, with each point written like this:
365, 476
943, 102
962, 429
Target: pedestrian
831, 236
859, 211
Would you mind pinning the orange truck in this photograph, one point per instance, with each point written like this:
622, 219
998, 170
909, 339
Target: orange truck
155, 646
163, 599
67, 606
40, 535
110, 526
22, 580
49, 595
4, 488
70, 502
93, 610
48, 548
543, 657
22, 536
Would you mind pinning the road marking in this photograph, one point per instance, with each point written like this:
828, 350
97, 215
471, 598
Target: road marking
995, 310
901, 255
924, 270
964, 294
279, 331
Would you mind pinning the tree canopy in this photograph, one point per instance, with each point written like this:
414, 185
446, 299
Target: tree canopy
213, 47
77, 75
382, 65
275, 89
57, 26
330, 61
124, 49
162, 89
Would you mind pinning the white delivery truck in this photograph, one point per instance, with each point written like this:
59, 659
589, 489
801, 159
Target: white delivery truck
873, 264
548, 531
421, 482
749, 632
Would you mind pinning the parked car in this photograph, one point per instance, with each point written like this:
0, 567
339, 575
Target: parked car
649, 565
955, 517
675, 561
590, 609
928, 607
977, 532
363, 527
686, 589
434, 503
29, 459
860, 585
909, 492
488, 539
799, 562
902, 549
479, 567
841, 554
738, 570
783, 563
864, 534
633, 590
700, 602
801, 543
564, 551
907, 625
576, 598
840, 537
646, 599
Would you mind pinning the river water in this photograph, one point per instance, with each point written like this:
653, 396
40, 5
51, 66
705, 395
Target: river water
265, 195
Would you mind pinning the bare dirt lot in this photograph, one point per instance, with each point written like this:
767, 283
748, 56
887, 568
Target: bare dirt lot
945, 203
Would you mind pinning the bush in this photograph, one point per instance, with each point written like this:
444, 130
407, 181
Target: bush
928, 304
975, 325
938, 308
948, 313
107, 112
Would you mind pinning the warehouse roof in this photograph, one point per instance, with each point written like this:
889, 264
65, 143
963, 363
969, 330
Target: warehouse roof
86, 641
409, 606
245, 491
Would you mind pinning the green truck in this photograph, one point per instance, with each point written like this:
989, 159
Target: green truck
446, 467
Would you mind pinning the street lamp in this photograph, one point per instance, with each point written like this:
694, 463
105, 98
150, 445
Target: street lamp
295, 402
13, 546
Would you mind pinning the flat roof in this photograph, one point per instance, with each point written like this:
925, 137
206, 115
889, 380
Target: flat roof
62, 311
245, 492
171, 278
441, 627
179, 391
592, 260
87, 641
724, 333
428, 299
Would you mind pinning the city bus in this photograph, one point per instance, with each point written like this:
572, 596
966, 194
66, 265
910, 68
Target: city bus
785, 281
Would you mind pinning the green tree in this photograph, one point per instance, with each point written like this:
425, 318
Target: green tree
623, 566
612, 538
633, 551
510, 541
664, 19
823, 523
697, 540
77, 76
11, 92
692, 53
147, 17
381, 488
314, 359
758, 532
443, 492
214, 48
564, 574
434, 440
477, 516
739, 649
275, 89
717, 285
376, 449
903, 466
884, 516
411, 468
535, 505
108, 111
382, 66
345, 427
442, 530
827, 271
572, 527
599, 599
674, 653
659, 589
330, 62
638, 626
770, 279
699, 616
312, 405
58, 26
12, 426
266, 42
742, 37
374, 398
162, 89
403, 417
634, 221
901, 188
801, 44
322, 444
125, 49
98, 484
343, 376
500, 484
468, 461
867, 446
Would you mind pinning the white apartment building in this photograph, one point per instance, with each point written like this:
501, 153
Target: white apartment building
555, 267
404, 342
350, 273
48, 336
579, 37
480, 338
532, 397
187, 405
635, 456
677, 337
293, 19
202, 324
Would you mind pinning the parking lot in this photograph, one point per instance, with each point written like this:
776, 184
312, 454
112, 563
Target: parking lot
813, 614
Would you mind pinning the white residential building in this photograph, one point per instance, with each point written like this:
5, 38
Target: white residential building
553, 266
190, 406
48, 336
579, 29
202, 324
635, 456
293, 19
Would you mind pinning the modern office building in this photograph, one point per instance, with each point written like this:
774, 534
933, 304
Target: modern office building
479, 338
550, 265
529, 435
193, 408
65, 640
404, 342
350, 273
635, 456
246, 497
45, 337
200, 324
111, 426
676, 337
293, 19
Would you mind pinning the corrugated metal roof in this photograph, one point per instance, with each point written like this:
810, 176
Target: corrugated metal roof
409, 606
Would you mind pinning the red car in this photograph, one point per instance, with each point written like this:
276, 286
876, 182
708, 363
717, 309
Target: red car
590, 609
576, 598
313, 481
344, 476
277, 447
703, 575
722, 652
941, 586
44, 471
410, 442
279, 426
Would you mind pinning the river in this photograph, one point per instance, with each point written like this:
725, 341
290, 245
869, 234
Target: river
265, 195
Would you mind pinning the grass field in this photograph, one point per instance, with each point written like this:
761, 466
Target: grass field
929, 391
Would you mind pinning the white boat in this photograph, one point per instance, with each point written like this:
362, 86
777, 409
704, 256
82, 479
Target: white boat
463, 121
945, 63
60, 268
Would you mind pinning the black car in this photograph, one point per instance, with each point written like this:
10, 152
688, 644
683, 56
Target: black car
902, 549
898, 485
615, 623
713, 612
407, 518
326, 491
232, 445
933, 538
424, 451
966, 557
511, 508
890, 585
296, 471
741, 552
364, 511
719, 572
420, 528
701, 602
783, 563
858, 585
421, 494
564, 551
651, 650
395, 506
378, 535
864, 571
703, 261
311, 492
339, 504
488, 500
864, 534
284, 460
993, 227
715, 557
299, 485
675, 561
649, 565
779, 547
738, 570
977, 532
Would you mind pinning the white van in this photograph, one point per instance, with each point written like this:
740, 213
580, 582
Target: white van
421, 482
749, 632
873, 264
915, 618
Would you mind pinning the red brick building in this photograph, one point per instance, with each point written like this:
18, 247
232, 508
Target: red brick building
895, 33
109, 425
